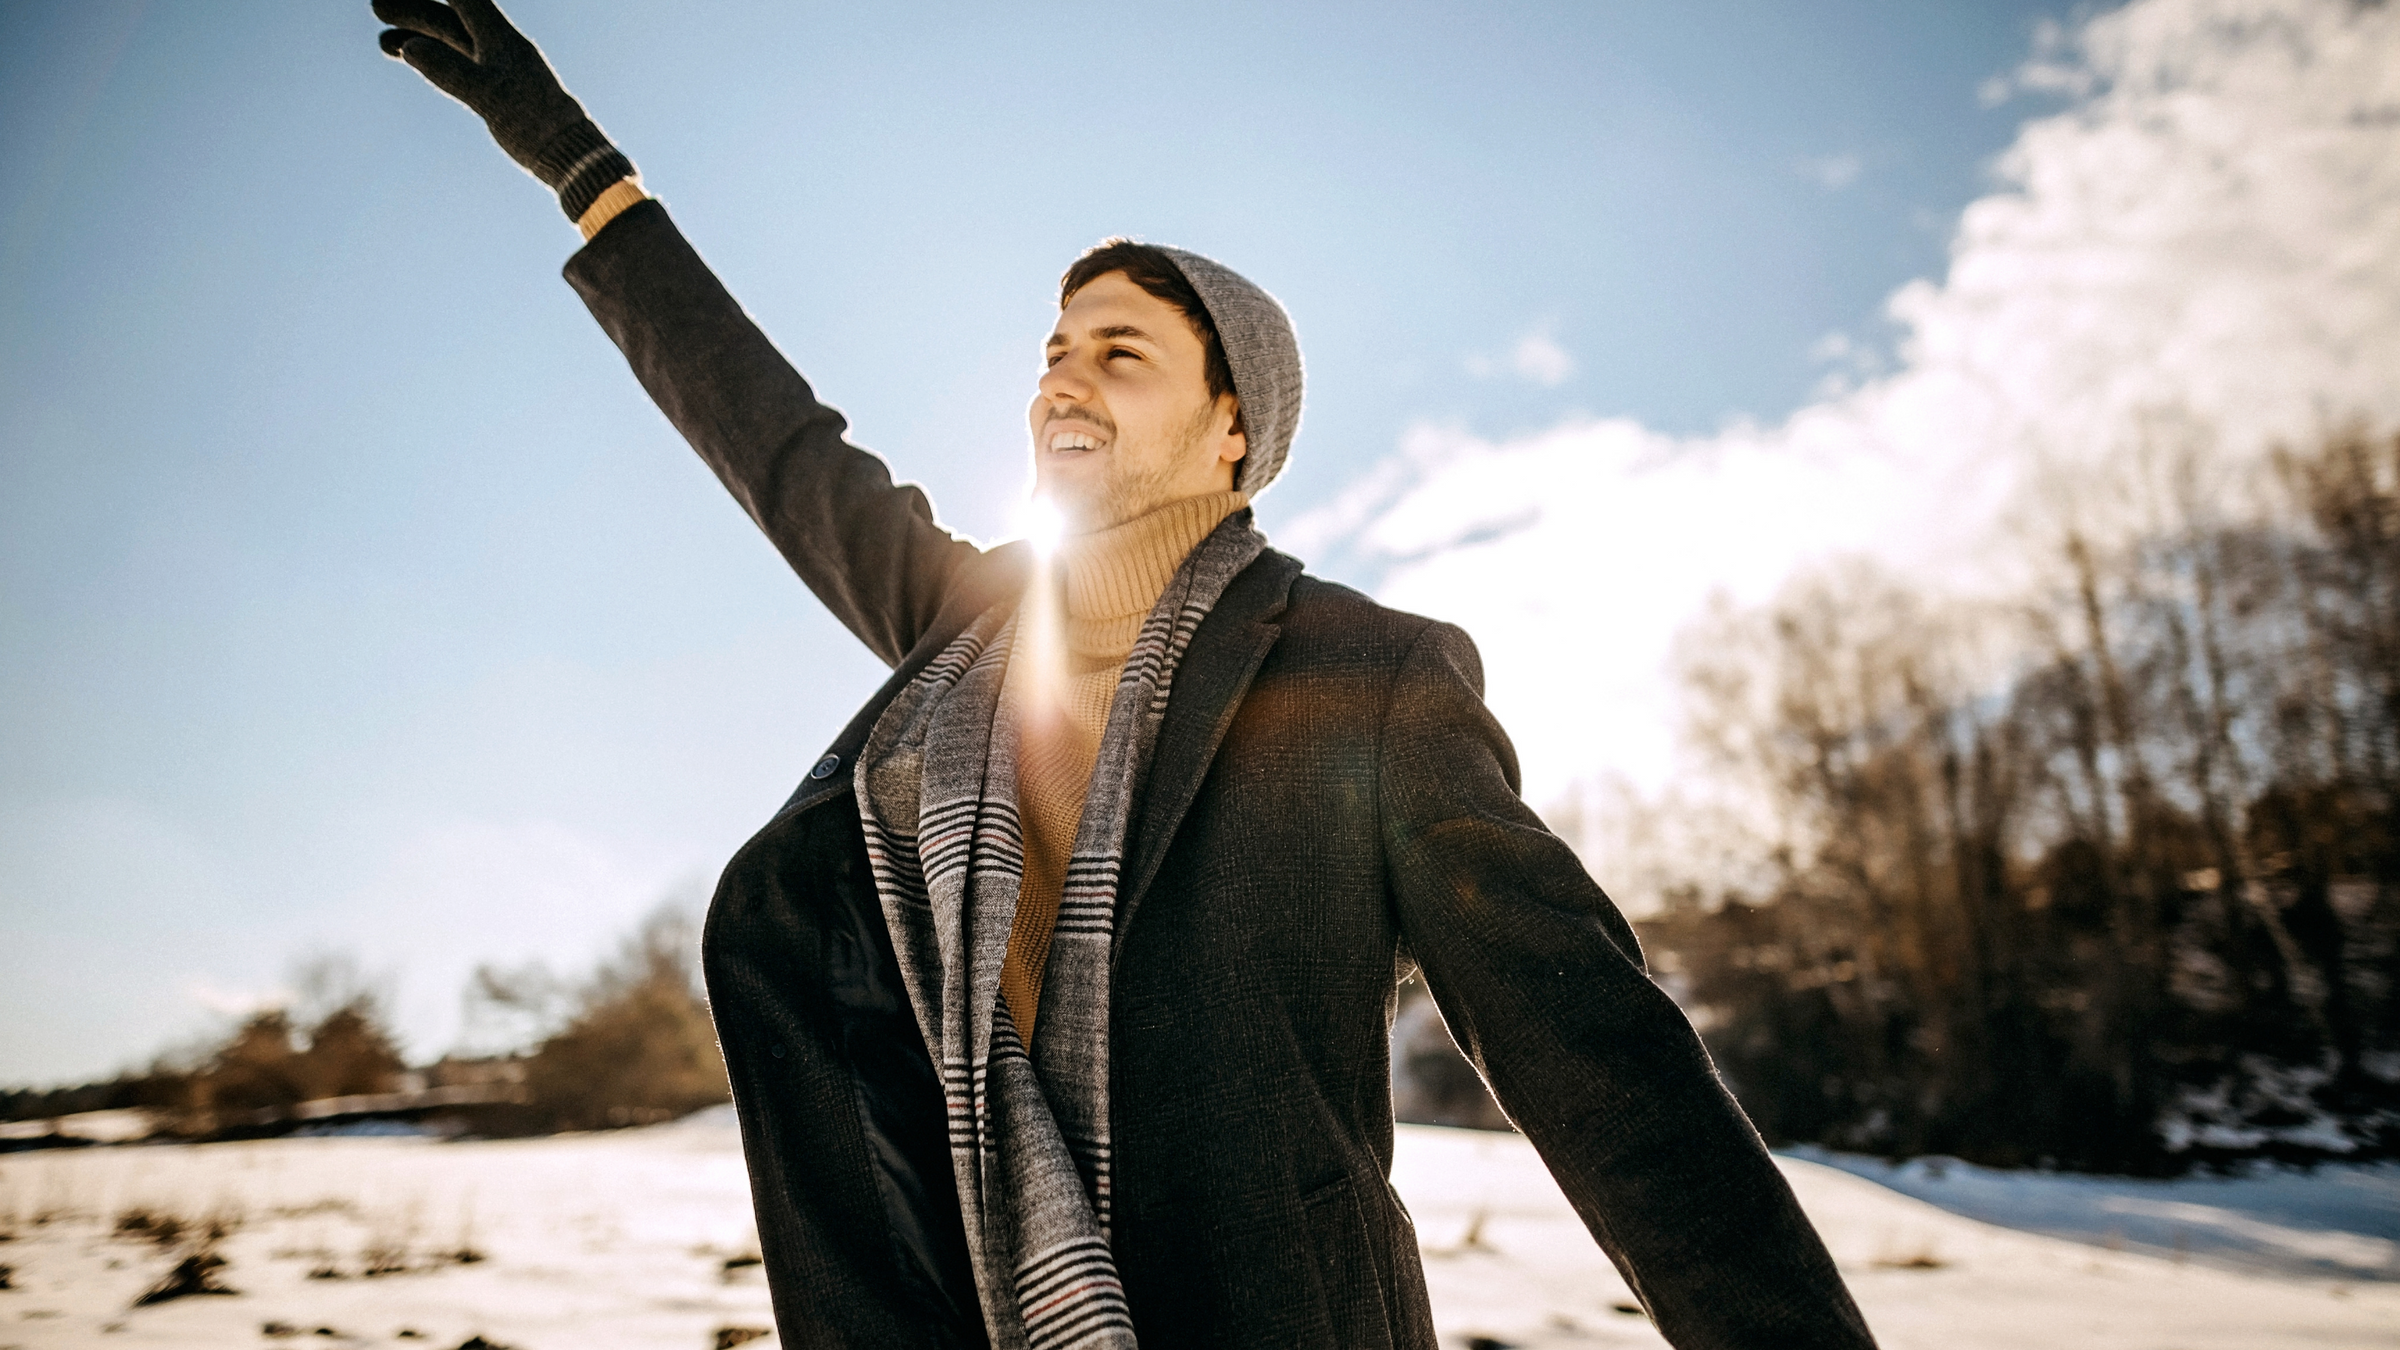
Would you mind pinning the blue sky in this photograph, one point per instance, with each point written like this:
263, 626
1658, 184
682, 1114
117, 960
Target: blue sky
352, 596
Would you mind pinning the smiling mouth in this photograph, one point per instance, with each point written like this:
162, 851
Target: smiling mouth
1060, 440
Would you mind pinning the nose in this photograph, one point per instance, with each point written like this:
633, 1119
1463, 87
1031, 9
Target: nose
1064, 383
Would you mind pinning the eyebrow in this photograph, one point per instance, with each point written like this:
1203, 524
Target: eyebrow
1108, 334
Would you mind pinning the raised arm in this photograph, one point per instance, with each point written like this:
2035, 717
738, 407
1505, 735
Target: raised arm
870, 549
1541, 982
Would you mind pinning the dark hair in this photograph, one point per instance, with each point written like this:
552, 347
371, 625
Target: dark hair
1151, 269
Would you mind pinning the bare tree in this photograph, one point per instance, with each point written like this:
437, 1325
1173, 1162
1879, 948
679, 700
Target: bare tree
2128, 902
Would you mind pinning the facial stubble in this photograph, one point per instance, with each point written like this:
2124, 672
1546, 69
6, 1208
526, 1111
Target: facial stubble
1136, 485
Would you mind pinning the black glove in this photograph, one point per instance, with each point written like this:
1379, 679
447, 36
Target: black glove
470, 51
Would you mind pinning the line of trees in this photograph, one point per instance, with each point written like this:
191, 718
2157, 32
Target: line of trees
331, 1040
2105, 877
629, 1043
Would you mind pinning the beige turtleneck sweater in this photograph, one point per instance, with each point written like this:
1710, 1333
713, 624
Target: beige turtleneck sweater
1071, 645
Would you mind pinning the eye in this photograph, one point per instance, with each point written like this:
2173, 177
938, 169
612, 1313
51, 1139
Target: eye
1115, 352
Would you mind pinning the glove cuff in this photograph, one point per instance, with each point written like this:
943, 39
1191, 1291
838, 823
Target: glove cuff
579, 164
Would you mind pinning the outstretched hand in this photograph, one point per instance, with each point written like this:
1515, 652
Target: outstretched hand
469, 50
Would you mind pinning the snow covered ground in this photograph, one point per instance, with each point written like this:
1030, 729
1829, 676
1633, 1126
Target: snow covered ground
2332, 1222
642, 1238
1928, 1279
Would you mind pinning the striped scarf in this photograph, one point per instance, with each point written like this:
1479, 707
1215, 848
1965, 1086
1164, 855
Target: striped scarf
937, 796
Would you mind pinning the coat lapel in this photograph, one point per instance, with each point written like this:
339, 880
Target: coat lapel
1210, 682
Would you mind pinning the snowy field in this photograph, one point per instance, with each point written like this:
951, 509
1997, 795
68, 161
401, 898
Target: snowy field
642, 1238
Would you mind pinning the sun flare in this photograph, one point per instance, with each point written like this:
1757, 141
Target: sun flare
1041, 524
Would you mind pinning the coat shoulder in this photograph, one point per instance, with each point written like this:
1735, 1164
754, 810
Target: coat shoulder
1329, 634
1322, 611
1316, 602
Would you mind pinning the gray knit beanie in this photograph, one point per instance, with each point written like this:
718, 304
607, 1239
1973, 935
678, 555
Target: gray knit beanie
1265, 357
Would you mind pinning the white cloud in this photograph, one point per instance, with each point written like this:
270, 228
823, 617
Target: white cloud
1537, 359
211, 996
2211, 230
1848, 363
1832, 172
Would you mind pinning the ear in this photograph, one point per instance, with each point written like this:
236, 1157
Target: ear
1234, 444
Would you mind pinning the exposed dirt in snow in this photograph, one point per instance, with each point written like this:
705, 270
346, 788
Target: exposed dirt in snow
642, 1238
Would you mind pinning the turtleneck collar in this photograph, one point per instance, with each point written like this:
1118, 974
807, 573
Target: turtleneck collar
1114, 576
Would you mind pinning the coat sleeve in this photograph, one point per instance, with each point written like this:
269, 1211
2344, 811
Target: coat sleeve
870, 549
1541, 982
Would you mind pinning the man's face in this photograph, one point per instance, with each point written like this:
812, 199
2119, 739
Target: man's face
1122, 420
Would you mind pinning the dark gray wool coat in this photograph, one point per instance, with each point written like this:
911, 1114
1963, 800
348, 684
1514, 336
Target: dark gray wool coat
1330, 807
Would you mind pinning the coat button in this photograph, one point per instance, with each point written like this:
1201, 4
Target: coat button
776, 1050
826, 767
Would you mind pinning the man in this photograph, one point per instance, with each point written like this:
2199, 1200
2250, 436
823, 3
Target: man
1057, 999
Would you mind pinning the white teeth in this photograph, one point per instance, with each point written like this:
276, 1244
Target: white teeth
1074, 440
